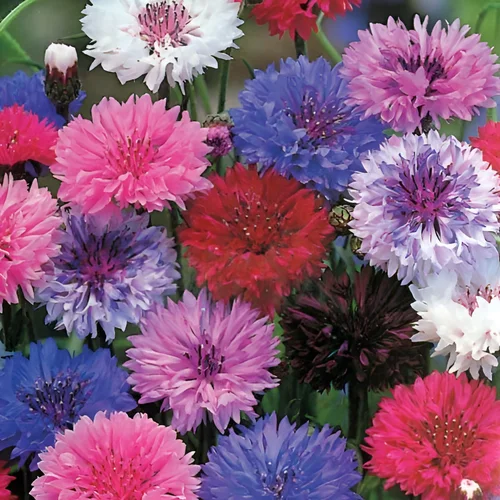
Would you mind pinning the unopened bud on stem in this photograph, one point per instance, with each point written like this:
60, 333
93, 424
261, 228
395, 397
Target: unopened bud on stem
62, 85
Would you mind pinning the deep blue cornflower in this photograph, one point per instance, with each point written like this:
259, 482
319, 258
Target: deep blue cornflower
111, 269
296, 121
28, 91
50, 391
271, 461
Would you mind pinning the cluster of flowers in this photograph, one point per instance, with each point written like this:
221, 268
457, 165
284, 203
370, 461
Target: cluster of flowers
328, 152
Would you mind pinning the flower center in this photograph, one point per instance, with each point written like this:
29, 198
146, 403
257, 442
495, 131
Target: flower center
318, 120
275, 483
434, 70
133, 156
427, 195
256, 224
210, 360
165, 24
452, 438
60, 399
115, 476
469, 300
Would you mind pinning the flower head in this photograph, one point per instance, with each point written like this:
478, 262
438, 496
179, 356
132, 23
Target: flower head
340, 332
27, 224
108, 273
60, 58
295, 120
463, 322
173, 39
117, 457
488, 142
434, 434
298, 17
50, 391
24, 138
203, 358
425, 203
5, 480
256, 236
134, 153
271, 460
29, 92
406, 76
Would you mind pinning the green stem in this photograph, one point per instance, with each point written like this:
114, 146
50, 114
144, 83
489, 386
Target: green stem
300, 46
14, 13
75, 344
6, 322
192, 102
330, 50
201, 88
224, 80
207, 437
164, 92
359, 415
482, 14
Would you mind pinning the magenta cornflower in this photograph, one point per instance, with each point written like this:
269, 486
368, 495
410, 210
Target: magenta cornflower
406, 76
203, 359
425, 203
134, 153
117, 457
27, 223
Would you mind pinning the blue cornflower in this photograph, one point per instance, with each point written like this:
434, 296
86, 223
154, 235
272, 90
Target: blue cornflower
270, 461
28, 91
296, 121
50, 391
108, 273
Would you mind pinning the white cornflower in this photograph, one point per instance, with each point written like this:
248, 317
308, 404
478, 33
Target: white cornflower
463, 321
175, 39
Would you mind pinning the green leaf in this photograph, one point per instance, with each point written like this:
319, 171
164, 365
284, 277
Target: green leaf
249, 68
12, 52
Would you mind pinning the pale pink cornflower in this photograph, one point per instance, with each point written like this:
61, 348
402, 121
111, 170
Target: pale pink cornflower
134, 153
406, 76
27, 223
203, 359
117, 457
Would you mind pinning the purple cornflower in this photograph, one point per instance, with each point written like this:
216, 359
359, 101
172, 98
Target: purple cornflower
272, 461
296, 121
425, 203
50, 391
410, 78
29, 92
109, 272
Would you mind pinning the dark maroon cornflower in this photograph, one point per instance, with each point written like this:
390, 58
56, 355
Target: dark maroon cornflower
339, 331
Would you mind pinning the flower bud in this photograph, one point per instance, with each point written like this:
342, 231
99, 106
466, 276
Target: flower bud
219, 134
339, 218
470, 490
61, 74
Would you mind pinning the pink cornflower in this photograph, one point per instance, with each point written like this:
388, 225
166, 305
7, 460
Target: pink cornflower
27, 223
117, 457
406, 76
435, 434
201, 358
24, 137
134, 153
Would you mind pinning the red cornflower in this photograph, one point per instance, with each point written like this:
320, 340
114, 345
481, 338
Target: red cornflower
256, 236
5, 480
297, 16
435, 434
489, 143
24, 137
